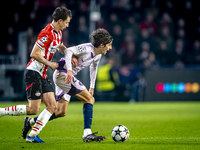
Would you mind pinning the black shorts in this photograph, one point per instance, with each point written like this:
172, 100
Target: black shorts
36, 85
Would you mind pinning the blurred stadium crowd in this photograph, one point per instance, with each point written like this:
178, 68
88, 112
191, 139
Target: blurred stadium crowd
147, 34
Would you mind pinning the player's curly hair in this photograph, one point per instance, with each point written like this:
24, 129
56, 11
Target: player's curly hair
100, 36
61, 13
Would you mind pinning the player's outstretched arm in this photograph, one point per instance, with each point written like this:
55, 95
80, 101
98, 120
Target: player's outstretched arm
93, 73
36, 54
62, 48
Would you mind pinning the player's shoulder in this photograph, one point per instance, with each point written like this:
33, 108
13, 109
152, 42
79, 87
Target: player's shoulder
86, 47
47, 31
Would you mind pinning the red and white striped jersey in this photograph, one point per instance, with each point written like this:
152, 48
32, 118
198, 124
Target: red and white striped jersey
48, 40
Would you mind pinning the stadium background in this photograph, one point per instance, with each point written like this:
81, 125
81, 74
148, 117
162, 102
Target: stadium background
155, 55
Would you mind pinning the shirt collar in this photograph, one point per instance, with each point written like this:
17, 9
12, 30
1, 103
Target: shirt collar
53, 28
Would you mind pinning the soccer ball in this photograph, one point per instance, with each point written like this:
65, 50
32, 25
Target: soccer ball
120, 133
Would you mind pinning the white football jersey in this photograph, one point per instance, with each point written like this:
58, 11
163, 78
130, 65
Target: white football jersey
86, 56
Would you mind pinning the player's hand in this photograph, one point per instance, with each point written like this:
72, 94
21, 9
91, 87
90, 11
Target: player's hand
74, 61
68, 78
53, 65
91, 91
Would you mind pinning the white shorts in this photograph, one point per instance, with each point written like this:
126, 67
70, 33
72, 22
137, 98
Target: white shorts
63, 90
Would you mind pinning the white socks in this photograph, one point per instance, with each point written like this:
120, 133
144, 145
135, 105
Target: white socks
14, 110
86, 132
43, 118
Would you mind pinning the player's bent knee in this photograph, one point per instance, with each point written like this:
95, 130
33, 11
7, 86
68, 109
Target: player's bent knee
51, 108
90, 100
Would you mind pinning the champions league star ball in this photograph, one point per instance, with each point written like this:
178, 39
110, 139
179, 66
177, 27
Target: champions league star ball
120, 133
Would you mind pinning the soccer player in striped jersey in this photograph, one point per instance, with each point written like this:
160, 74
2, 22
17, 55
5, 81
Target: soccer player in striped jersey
37, 84
68, 85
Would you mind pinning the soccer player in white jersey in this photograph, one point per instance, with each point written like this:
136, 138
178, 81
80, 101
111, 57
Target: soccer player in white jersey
68, 85
37, 84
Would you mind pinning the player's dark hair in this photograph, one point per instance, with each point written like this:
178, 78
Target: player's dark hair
100, 36
61, 13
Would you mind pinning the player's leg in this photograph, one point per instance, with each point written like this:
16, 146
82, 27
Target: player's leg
33, 108
76, 88
63, 100
88, 101
61, 105
61, 108
61, 111
43, 118
62, 97
48, 98
33, 92
17, 110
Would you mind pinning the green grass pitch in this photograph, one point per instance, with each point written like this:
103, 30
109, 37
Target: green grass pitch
156, 125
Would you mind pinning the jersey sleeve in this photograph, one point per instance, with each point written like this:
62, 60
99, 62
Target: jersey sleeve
44, 39
93, 71
68, 56
75, 50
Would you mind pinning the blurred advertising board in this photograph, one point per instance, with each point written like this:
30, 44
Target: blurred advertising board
172, 85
